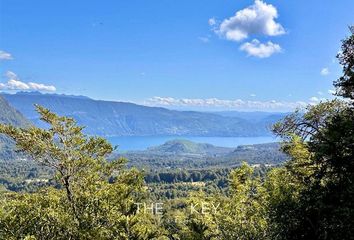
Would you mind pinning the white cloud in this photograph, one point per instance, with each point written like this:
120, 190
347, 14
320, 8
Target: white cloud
331, 91
258, 19
5, 55
261, 50
212, 21
41, 87
324, 71
320, 93
215, 103
14, 83
253, 95
11, 75
204, 39
314, 99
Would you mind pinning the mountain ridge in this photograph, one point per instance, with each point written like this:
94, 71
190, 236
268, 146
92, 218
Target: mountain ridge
109, 118
9, 115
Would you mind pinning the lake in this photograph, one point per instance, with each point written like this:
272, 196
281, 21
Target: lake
141, 143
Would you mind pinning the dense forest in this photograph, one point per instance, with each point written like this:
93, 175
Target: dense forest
308, 197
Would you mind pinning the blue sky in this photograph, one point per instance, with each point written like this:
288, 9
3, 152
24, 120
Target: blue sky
208, 55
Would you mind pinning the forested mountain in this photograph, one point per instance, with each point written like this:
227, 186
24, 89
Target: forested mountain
256, 116
185, 154
268, 153
181, 146
9, 115
127, 119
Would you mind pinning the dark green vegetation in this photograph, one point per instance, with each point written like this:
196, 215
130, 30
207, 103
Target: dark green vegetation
308, 197
106, 118
24, 175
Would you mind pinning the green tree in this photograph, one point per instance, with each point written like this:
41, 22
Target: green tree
96, 198
345, 84
241, 215
320, 142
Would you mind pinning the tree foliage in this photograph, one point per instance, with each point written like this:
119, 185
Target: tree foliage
345, 84
321, 145
95, 199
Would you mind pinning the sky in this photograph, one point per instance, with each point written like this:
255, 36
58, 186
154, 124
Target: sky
271, 55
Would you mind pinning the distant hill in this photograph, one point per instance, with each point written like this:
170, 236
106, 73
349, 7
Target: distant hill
9, 115
180, 146
267, 153
255, 117
109, 118
183, 154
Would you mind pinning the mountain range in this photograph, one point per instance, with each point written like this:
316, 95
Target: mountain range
174, 153
109, 118
9, 115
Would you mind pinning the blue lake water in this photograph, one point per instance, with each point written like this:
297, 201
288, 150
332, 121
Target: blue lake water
141, 143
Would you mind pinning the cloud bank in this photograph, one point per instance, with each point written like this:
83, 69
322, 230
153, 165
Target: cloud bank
215, 103
14, 83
